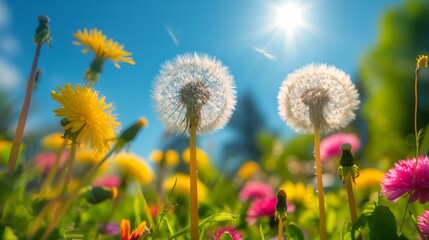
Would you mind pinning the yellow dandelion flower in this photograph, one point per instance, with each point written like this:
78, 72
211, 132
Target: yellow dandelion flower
422, 61
202, 157
87, 156
103, 48
300, 194
247, 170
171, 158
135, 167
183, 187
369, 178
156, 156
5, 147
87, 118
54, 141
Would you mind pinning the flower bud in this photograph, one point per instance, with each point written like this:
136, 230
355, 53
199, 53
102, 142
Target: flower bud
43, 34
347, 166
130, 133
281, 206
96, 195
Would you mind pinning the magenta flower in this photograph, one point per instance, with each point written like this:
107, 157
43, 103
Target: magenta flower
264, 207
109, 181
255, 190
330, 145
45, 161
111, 228
398, 181
233, 233
423, 223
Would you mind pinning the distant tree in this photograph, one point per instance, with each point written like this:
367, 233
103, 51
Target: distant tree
246, 123
387, 82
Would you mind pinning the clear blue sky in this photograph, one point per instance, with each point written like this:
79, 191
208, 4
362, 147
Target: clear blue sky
156, 31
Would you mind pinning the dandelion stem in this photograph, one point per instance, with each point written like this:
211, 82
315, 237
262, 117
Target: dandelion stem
13, 156
47, 185
193, 175
280, 233
66, 204
417, 135
352, 203
69, 168
322, 214
351, 198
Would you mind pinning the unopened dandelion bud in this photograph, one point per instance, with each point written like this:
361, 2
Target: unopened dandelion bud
281, 206
97, 194
43, 34
347, 166
130, 133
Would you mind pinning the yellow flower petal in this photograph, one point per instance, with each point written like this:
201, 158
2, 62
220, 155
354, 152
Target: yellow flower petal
247, 170
102, 47
203, 158
183, 187
88, 116
134, 166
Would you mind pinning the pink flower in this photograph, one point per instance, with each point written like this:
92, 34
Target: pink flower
330, 145
255, 190
264, 207
234, 234
109, 181
398, 181
423, 223
45, 161
111, 228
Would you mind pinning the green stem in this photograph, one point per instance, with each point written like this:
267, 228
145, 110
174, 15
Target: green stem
13, 156
47, 184
193, 184
322, 213
280, 233
352, 203
417, 147
69, 168
63, 206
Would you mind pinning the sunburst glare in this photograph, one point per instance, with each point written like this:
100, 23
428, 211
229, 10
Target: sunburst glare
288, 18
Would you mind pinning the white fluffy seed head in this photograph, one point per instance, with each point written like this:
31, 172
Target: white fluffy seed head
194, 88
317, 95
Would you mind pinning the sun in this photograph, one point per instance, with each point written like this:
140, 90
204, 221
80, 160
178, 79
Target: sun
289, 16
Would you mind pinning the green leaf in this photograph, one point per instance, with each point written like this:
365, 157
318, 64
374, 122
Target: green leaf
17, 215
356, 229
215, 218
382, 224
170, 228
295, 232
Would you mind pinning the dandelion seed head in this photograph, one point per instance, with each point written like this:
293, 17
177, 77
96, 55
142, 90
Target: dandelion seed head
317, 95
194, 89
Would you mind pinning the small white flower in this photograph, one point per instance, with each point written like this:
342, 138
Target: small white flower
317, 95
194, 89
